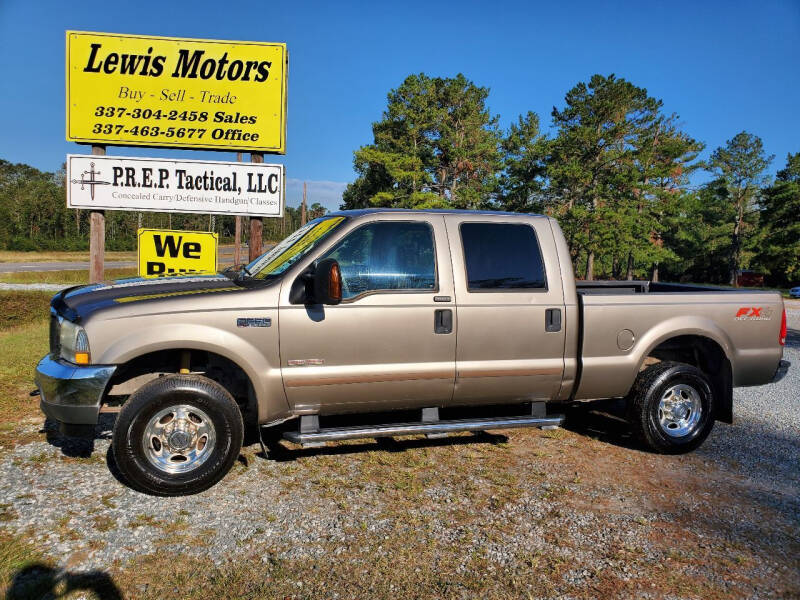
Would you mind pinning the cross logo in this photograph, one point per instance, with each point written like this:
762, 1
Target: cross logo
91, 182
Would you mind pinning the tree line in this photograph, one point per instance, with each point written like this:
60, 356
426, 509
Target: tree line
616, 172
34, 216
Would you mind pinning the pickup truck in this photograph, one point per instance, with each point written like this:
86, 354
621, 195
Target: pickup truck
383, 322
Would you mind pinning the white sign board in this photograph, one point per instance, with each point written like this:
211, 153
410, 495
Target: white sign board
183, 186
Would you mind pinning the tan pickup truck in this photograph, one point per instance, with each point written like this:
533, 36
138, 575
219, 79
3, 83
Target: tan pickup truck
394, 322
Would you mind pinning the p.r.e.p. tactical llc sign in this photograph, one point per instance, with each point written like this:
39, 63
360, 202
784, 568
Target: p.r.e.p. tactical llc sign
183, 186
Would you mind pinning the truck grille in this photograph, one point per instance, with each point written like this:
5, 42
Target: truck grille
55, 335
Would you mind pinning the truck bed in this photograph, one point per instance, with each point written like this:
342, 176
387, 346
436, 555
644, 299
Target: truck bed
624, 322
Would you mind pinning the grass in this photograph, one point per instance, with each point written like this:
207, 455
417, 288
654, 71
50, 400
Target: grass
23, 341
7, 256
24, 574
7, 512
73, 277
23, 308
16, 555
14, 256
21, 350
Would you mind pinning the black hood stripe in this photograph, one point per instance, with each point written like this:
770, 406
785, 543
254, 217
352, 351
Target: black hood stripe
81, 301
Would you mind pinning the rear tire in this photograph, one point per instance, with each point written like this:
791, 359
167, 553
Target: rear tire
177, 435
671, 407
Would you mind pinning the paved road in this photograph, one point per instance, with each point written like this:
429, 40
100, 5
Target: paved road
225, 257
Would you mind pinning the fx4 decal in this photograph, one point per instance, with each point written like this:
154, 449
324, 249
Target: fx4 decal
754, 313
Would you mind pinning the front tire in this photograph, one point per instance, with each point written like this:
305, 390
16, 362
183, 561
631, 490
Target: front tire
177, 435
671, 407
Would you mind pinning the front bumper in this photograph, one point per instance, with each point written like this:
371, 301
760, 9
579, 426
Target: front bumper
71, 394
780, 372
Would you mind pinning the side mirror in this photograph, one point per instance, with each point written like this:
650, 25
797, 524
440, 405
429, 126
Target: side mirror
327, 282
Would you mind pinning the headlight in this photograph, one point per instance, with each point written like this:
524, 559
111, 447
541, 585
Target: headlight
74, 343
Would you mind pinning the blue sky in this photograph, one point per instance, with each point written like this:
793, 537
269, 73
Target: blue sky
722, 66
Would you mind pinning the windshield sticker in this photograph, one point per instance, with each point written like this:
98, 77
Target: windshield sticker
301, 245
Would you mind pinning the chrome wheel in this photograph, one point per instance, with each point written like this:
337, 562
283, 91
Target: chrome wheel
679, 410
179, 439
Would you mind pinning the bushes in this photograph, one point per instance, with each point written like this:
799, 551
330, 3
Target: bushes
25, 244
22, 244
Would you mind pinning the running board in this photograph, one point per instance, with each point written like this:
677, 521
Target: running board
442, 427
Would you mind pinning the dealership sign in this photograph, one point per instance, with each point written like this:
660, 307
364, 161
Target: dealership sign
182, 186
176, 92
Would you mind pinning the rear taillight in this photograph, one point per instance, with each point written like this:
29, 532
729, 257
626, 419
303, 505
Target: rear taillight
782, 335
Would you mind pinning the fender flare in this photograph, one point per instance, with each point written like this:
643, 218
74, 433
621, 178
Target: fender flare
703, 328
204, 338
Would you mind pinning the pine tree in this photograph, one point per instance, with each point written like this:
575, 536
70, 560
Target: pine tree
616, 168
780, 217
741, 165
524, 170
437, 145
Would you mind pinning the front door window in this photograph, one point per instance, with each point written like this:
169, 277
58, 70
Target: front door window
394, 256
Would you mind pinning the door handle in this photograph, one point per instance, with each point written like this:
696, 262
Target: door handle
443, 321
552, 319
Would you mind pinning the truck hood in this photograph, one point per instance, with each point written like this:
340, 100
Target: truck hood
76, 303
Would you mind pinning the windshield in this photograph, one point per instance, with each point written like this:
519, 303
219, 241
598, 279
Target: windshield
274, 262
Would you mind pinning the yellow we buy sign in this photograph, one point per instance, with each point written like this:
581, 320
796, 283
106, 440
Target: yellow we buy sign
166, 252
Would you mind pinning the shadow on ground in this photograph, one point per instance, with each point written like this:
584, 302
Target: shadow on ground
603, 420
41, 581
755, 483
278, 452
792, 338
78, 447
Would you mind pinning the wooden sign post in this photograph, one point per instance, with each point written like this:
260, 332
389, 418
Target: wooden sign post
237, 239
97, 235
256, 223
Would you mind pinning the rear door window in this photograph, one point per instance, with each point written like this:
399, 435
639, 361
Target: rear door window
502, 256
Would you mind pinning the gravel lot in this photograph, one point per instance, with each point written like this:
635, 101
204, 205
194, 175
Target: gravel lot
563, 512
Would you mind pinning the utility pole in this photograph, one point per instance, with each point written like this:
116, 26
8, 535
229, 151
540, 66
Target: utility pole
303, 207
97, 235
256, 223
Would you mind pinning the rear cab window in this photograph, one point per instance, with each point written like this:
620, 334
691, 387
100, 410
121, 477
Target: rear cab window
502, 256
